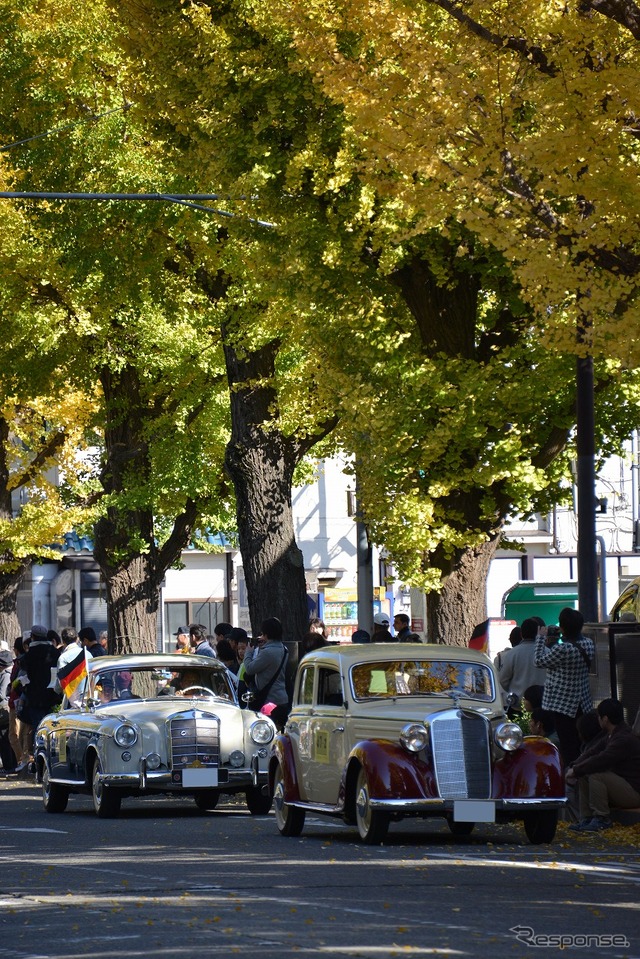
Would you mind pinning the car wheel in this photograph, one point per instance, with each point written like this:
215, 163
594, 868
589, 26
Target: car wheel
207, 799
372, 824
289, 819
461, 828
106, 799
541, 826
257, 803
54, 796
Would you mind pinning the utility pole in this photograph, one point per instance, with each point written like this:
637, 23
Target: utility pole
585, 441
365, 568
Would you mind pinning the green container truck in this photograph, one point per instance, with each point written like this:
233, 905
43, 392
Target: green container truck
528, 598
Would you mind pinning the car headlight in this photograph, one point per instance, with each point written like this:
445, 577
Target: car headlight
126, 735
414, 737
508, 736
236, 759
261, 732
153, 761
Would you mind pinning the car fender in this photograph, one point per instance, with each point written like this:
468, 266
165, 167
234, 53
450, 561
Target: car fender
392, 772
282, 754
532, 771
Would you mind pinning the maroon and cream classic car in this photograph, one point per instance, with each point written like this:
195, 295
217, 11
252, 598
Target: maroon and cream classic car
385, 731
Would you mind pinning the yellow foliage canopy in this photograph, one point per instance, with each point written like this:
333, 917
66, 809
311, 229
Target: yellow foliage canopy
519, 120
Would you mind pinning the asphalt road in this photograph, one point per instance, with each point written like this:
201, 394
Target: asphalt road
166, 881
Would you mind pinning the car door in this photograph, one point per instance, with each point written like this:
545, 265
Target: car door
298, 725
58, 753
327, 742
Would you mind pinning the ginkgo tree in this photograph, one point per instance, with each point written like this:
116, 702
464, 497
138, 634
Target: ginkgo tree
511, 131
519, 121
380, 140
44, 424
130, 332
164, 310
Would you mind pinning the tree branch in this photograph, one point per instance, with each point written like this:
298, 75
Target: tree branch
534, 54
52, 444
625, 12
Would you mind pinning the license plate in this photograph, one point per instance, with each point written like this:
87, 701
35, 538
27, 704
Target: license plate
199, 777
474, 810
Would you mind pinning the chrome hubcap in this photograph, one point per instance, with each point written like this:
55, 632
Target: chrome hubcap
362, 804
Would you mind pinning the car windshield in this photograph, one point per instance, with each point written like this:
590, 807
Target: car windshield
422, 677
117, 683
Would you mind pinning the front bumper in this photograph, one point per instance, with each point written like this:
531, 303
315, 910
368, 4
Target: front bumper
467, 810
172, 780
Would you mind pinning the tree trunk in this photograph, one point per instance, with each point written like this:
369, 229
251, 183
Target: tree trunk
273, 564
261, 462
446, 318
14, 569
132, 605
125, 545
10, 583
461, 604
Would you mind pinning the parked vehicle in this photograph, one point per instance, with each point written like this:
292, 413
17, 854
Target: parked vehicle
380, 732
529, 598
154, 724
627, 606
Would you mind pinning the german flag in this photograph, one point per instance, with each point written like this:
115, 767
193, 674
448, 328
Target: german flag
73, 674
480, 637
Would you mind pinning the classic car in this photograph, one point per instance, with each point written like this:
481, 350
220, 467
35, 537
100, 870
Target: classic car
383, 731
154, 724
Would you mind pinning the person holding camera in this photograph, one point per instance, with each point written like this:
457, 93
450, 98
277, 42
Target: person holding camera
264, 670
566, 655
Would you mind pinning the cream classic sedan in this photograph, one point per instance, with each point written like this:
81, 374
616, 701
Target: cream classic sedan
154, 724
384, 731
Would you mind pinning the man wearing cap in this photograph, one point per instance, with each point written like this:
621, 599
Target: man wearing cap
381, 632
183, 640
222, 630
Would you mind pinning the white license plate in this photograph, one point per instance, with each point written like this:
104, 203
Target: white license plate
474, 810
199, 777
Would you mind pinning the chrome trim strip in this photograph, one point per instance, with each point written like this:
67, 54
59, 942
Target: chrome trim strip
161, 777
446, 805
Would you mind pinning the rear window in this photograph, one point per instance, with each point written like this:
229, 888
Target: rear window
422, 677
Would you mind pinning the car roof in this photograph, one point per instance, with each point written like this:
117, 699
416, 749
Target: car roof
173, 661
375, 652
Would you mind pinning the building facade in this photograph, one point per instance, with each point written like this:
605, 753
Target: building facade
210, 588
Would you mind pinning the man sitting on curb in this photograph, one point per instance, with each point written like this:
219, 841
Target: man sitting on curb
607, 773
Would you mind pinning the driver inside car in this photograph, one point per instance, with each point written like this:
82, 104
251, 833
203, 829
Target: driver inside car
189, 683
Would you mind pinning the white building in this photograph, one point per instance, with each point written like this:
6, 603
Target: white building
210, 587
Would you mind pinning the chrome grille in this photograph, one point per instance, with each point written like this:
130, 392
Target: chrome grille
195, 740
461, 755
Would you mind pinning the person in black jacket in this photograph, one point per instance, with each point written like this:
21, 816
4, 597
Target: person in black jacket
39, 664
607, 773
401, 624
88, 638
6, 752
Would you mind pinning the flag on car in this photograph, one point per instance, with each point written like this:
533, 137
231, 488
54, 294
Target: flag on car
480, 637
71, 676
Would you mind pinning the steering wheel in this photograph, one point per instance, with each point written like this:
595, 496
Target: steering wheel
200, 689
